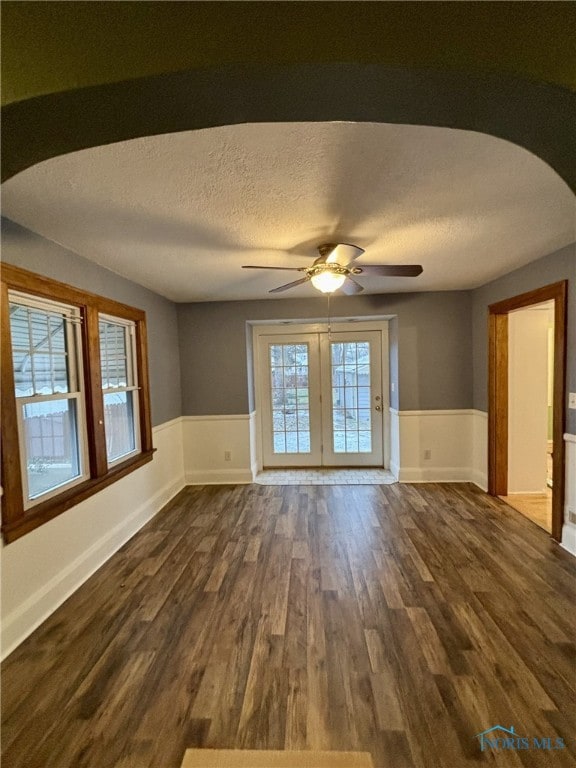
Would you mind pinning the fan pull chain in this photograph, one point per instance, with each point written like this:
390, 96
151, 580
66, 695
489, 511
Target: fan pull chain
329, 320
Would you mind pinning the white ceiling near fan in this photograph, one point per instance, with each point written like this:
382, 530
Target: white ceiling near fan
181, 213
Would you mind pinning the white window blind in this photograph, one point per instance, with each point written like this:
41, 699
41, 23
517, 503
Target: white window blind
119, 387
47, 363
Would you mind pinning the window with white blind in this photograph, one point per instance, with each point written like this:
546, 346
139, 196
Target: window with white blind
75, 400
119, 387
48, 382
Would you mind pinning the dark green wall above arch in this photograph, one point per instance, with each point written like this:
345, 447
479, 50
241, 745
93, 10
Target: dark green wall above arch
535, 116
81, 74
49, 46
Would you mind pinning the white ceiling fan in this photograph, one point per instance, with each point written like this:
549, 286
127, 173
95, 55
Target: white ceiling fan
334, 270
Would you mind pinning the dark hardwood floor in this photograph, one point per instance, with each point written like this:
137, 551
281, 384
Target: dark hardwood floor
401, 620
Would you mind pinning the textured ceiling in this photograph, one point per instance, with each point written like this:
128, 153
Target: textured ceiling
180, 213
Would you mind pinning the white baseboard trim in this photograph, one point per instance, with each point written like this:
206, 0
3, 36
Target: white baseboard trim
395, 469
27, 617
531, 492
569, 538
435, 475
442, 412
480, 479
219, 477
218, 417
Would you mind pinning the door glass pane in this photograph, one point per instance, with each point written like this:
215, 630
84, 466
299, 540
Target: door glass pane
289, 369
51, 445
351, 396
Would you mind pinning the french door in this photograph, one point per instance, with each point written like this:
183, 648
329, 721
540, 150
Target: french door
322, 399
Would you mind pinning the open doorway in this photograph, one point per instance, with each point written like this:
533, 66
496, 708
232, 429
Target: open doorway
530, 417
527, 358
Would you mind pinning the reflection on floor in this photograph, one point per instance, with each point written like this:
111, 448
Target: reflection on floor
391, 619
326, 476
536, 506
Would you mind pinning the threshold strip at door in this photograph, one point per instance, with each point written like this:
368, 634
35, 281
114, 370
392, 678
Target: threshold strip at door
362, 476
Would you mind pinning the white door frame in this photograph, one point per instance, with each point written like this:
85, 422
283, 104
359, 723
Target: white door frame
283, 328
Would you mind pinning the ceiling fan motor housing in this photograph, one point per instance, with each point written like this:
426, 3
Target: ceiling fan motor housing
335, 269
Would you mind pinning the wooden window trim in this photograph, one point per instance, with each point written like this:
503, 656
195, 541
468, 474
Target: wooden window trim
15, 520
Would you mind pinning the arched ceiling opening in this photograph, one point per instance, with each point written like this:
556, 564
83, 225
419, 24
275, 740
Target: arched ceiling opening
181, 213
95, 76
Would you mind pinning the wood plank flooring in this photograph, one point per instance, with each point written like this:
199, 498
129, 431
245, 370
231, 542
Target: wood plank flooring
400, 620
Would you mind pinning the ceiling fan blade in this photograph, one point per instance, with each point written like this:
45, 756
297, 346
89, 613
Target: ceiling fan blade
390, 270
345, 253
339, 253
289, 285
292, 269
350, 287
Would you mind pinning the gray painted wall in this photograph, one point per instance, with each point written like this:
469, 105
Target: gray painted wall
431, 340
25, 249
550, 269
432, 361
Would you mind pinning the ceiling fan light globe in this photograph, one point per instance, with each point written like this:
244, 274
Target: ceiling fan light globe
328, 282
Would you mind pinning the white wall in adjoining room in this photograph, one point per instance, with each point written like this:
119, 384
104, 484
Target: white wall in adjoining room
527, 400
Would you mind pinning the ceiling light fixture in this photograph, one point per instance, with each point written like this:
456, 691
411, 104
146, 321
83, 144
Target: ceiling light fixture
328, 280
335, 269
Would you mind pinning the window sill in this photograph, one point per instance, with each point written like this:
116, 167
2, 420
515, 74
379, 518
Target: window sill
47, 510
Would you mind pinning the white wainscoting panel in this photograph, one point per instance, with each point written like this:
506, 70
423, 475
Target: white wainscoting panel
395, 442
40, 570
569, 528
255, 448
207, 439
435, 446
480, 449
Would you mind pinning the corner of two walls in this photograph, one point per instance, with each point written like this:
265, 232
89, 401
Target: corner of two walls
218, 449
439, 446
